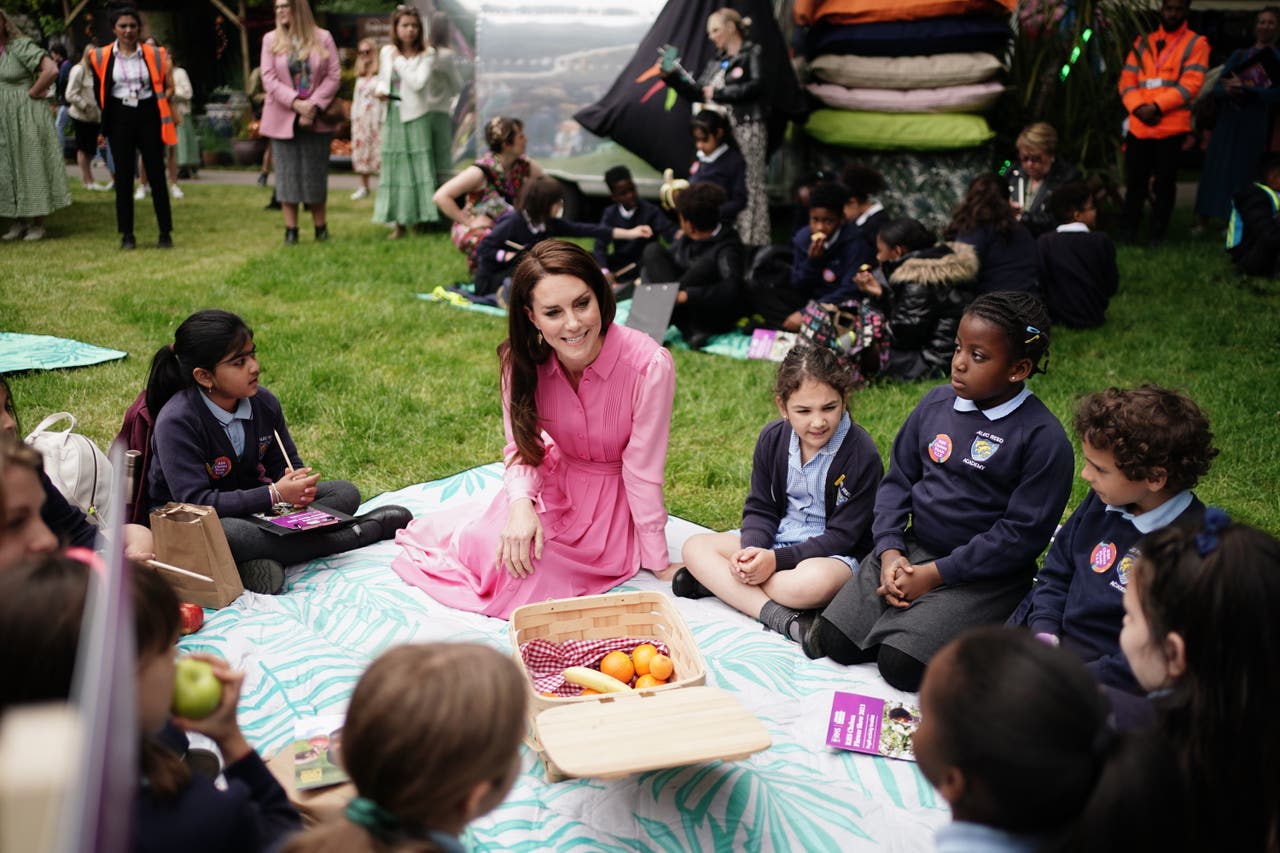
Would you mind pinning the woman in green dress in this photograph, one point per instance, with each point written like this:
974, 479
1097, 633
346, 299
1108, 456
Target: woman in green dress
33, 179
408, 172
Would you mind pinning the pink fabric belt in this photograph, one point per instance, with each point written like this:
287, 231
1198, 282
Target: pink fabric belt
590, 466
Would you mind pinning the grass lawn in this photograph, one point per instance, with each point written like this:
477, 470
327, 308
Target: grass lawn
387, 390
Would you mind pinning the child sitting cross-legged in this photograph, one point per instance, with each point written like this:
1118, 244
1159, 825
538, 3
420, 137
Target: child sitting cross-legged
628, 210
431, 741
1143, 451
807, 518
978, 478
708, 261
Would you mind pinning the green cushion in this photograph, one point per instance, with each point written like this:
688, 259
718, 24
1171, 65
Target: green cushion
898, 131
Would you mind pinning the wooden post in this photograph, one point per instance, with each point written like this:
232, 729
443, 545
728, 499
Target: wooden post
238, 20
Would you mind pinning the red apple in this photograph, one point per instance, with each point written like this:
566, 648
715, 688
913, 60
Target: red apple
192, 617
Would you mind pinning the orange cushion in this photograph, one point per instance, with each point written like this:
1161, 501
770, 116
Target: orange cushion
868, 11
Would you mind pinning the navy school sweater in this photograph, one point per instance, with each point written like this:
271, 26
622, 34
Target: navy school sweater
1079, 592
496, 257
984, 494
629, 251
251, 813
193, 461
849, 496
729, 172
1078, 276
829, 278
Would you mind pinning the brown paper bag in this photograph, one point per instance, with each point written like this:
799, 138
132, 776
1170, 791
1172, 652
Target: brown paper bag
189, 541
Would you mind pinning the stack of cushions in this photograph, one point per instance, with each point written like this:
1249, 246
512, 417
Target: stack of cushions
908, 77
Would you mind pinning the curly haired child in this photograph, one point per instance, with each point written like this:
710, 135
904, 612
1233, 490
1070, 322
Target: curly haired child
1144, 449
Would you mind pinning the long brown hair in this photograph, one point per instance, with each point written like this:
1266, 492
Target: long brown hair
522, 351
986, 203
303, 26
419, 44
439, 30
426, 725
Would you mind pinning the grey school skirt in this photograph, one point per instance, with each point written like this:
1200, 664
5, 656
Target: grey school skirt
931, 621
302, 167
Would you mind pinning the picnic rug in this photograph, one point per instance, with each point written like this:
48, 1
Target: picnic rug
303, 651
44, 352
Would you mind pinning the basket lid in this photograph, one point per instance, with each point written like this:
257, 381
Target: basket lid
624, 733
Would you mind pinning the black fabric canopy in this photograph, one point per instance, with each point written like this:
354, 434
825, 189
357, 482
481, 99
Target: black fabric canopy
660, 135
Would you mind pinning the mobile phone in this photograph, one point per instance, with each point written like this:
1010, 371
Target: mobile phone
668, 56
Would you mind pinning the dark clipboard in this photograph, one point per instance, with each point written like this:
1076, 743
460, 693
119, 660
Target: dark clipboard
313, 517
651, 307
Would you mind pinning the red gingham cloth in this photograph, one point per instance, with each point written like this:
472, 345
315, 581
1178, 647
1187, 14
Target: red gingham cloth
547, 661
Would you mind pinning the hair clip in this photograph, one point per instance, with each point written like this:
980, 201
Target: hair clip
1035, 334
1215, 521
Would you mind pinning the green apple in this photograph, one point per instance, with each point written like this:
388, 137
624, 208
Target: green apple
196, 690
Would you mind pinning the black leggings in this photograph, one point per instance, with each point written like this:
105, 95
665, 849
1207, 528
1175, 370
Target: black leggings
899, 669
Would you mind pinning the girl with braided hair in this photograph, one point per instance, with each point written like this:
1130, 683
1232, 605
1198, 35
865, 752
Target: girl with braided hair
978, 478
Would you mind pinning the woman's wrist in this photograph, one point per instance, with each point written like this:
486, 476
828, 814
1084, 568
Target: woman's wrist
274, 494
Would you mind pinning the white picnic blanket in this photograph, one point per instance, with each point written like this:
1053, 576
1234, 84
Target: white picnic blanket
303, 651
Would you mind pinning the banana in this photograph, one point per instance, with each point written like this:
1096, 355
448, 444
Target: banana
584, 676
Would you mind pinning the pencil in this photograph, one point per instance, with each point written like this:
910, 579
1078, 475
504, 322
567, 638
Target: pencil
628, 268
514, 245
287, 464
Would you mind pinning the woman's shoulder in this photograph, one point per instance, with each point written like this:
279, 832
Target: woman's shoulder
25, 50
638, 350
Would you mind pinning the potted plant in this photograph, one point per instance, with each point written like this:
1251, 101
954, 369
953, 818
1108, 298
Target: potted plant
215, 146
247, 145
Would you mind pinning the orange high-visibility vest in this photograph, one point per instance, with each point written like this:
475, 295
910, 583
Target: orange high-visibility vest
154, 57
1168, 78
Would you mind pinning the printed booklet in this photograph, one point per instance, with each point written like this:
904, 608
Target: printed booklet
869, 724
317, 750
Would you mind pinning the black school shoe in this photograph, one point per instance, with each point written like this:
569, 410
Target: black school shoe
685, 585
128, 242
165, 241
381, 523
265, 577
811, 637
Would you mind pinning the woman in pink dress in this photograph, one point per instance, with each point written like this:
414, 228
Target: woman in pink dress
587, 409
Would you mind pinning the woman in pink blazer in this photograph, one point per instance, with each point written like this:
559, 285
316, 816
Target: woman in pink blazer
300, 73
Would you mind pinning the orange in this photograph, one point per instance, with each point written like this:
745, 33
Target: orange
618, 665
587, 691
661, 667
648, 681
642, 655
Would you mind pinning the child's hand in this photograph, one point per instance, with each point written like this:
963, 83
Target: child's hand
867, 283
892, 564
753, 566
915, 581
817, 244
520, 542
479, 221
221, 725
640, 232
298, 487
